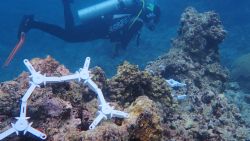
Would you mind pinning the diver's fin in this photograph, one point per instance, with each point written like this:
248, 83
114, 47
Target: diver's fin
14, 51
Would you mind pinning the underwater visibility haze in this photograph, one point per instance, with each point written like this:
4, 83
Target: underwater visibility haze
153, 44
185, 77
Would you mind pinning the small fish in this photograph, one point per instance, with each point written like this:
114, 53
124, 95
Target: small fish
14, 51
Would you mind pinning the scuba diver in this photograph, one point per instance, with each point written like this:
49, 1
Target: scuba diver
116, 20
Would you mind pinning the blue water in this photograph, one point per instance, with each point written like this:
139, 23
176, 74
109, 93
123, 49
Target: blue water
235, 17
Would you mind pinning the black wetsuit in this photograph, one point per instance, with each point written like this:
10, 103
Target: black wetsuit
118, 30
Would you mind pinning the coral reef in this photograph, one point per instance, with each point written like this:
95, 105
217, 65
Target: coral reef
144, 123
49, 66
130, 82
146, 120
240, 98
65, 111
194, 60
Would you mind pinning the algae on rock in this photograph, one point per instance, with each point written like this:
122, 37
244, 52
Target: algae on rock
130, 82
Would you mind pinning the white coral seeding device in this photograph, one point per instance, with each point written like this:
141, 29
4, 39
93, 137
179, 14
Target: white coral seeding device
105, 111
173, 83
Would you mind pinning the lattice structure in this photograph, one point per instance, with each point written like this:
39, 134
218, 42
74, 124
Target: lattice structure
105, 111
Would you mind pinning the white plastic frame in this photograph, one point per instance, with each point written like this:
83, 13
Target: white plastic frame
105, 111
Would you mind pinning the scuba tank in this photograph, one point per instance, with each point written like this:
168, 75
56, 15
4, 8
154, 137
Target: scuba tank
104, 8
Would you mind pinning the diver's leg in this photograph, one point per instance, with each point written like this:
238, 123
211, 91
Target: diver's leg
24, 25
51, 29
134, 30
76, 34
29, 23
68, 16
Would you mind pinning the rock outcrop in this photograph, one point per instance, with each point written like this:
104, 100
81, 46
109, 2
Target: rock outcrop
194, 60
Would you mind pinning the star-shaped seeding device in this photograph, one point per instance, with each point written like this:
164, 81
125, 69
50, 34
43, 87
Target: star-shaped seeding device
105, 111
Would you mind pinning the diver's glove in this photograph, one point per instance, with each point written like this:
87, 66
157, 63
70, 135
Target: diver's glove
25, 24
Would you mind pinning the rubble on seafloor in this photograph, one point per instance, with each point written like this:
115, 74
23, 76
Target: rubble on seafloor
240, 98
194, 60
64, 111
